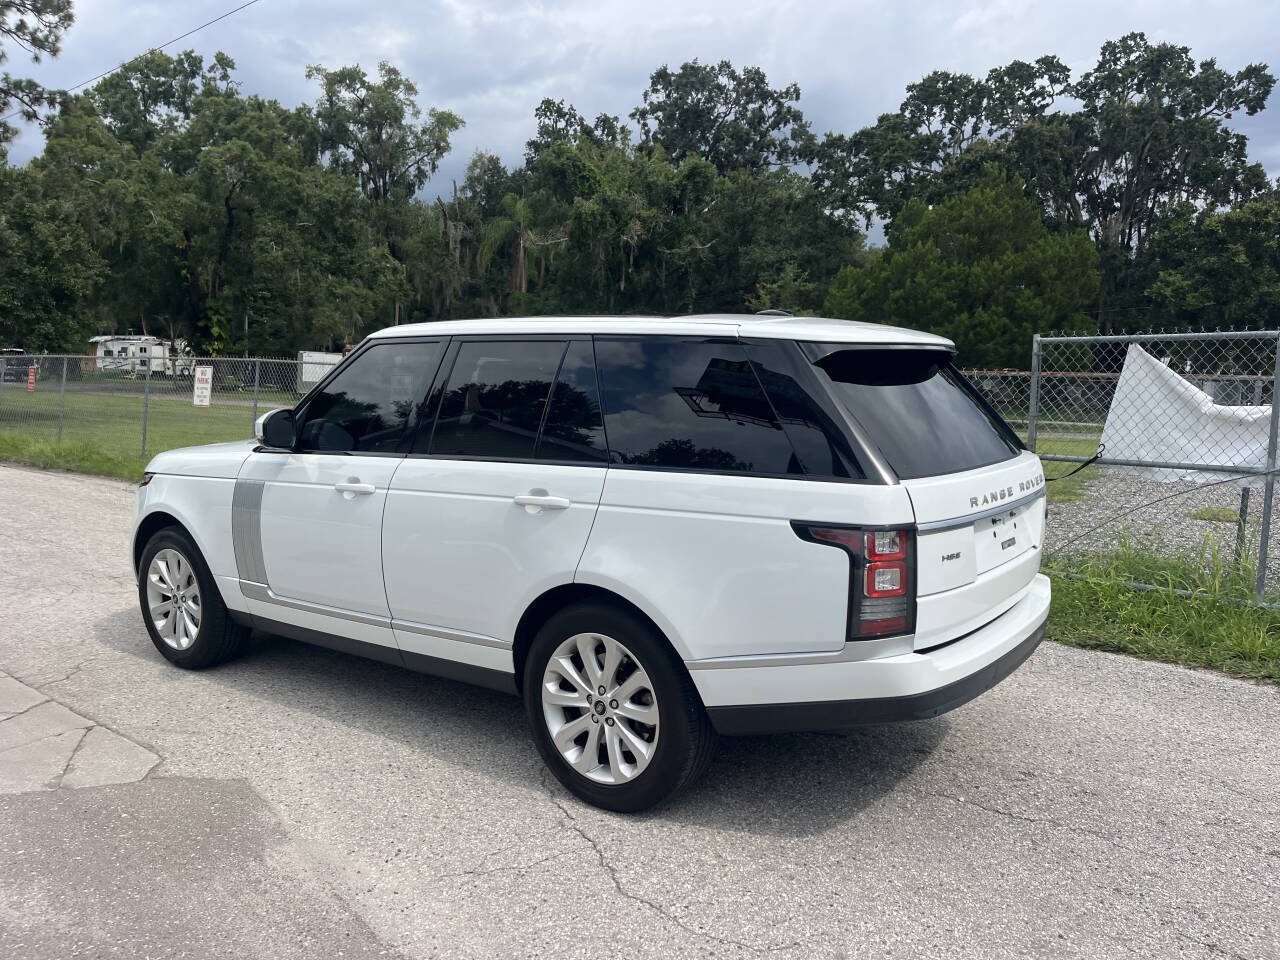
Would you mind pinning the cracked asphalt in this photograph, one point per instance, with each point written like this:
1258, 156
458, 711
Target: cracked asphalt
303, 803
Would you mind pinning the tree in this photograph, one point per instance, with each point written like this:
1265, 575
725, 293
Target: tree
979, 268
36, 26
915, 152
48, 269
558, 122
1219, 269
736, 121
370, 129
1142, 132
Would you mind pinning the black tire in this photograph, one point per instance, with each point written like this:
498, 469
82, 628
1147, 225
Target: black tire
218, 637
685, 743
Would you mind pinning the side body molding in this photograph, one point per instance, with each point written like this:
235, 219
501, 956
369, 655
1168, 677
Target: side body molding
246, 530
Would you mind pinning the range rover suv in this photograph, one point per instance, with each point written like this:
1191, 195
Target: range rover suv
653, 530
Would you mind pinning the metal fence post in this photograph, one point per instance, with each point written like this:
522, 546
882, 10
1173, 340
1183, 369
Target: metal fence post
1, 379
62, 398
1033, 413
1242, 524
257, 372
146, 402
1269, 485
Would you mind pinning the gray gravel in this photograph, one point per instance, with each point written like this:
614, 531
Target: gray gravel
308, 803
1116, 497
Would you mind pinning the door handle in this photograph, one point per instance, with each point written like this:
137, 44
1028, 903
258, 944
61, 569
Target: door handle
534, 501
354, 488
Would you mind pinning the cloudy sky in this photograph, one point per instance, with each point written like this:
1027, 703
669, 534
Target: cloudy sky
493, 61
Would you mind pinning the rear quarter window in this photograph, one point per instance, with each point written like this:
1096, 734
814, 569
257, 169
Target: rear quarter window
922, 414
679, 404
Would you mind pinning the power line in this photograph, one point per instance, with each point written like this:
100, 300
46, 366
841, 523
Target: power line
167, 43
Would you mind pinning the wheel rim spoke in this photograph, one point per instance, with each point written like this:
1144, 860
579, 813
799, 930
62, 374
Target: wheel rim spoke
566, 669
586, 644
630, 687
564, 698
566, 735
640, 748
625, 721
640, 712
588, 760
612, 660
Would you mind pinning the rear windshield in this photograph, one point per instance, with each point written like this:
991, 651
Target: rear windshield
920, 411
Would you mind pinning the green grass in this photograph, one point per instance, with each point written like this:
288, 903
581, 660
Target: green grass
1217, 627
1215, 514
76, 456
102, 431
1067, 488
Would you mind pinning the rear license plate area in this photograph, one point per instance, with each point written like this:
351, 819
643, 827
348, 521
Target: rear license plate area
1000, 538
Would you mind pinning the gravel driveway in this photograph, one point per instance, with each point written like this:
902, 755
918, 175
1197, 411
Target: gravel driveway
309, 804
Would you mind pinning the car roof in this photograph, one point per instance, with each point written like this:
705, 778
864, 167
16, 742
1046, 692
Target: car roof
772, 326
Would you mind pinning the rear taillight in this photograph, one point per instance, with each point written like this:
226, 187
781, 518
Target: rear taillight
882, 589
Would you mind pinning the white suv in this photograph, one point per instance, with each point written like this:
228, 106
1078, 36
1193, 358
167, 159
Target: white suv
654, 530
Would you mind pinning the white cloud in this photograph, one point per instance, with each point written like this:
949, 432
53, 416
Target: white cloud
493, 61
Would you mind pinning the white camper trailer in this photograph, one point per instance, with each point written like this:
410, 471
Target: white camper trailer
133, 354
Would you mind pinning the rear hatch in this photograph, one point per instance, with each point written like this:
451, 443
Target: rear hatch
978, 496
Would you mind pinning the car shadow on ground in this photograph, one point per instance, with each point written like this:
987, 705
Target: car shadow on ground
791, 785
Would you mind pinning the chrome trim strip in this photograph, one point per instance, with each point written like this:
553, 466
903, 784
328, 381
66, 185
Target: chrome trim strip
852, 652
246, 530
981, 515
260, 591
444, 633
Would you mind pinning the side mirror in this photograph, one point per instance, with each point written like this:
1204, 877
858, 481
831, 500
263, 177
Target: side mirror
275, 429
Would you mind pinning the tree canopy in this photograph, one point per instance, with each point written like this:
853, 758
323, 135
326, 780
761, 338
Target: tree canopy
170, 200
980, 268
36, 27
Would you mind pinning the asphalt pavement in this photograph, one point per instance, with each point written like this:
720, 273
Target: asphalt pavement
303, 803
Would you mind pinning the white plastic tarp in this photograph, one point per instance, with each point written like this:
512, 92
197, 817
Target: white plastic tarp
1157, 416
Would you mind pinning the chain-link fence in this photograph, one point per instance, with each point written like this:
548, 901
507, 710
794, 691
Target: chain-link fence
132, 406
1187, 421
1188, 436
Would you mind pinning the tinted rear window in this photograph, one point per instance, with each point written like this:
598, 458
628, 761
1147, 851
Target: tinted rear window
688, 405
918, 409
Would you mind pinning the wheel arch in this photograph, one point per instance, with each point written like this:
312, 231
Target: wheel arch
152, 524
552, 601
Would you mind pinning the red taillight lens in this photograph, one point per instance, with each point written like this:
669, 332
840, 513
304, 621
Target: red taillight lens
881, 589
851, 540
886, 579
886, 544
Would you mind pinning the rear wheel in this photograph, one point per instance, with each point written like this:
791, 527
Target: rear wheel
184, 613
613, 713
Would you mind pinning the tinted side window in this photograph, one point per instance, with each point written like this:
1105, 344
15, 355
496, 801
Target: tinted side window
368, 405
688, 405
809, 419
574, 430
495, 398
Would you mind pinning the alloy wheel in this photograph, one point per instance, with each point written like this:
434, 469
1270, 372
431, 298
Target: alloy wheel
173, 599
600, 708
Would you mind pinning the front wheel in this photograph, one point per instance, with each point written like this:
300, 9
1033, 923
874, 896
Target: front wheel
184, 613
612, 711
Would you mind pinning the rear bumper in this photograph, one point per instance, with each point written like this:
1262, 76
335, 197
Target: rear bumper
910, 686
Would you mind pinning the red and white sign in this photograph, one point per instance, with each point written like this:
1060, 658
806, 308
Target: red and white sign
203, 386
31, 379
